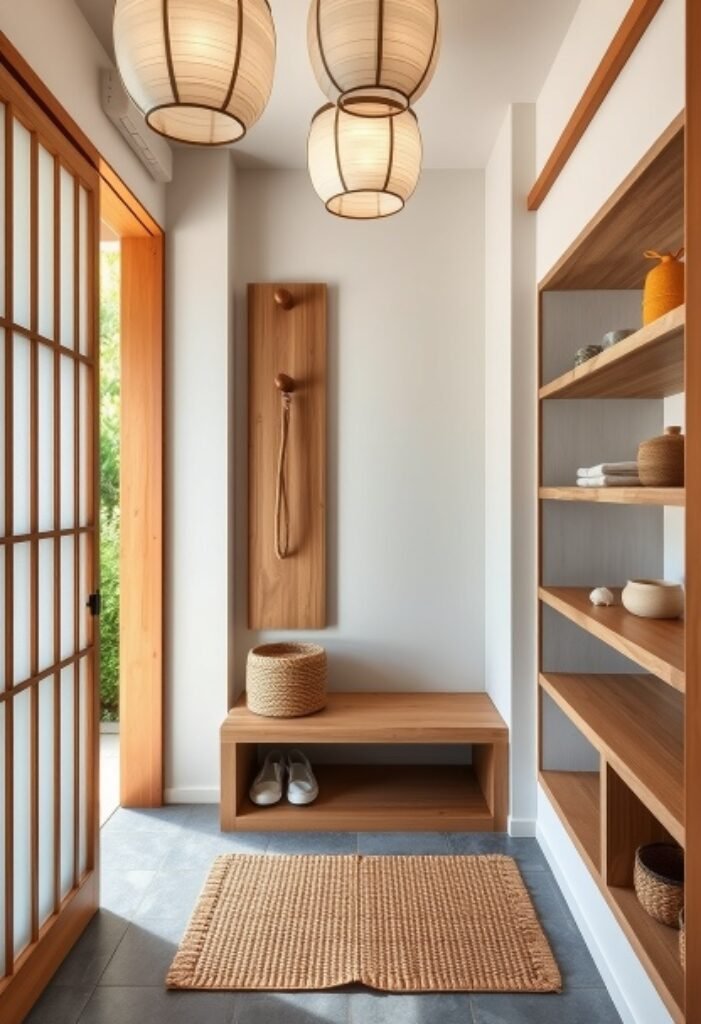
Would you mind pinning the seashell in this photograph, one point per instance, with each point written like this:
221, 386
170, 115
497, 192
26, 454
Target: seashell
613, 337
601, 596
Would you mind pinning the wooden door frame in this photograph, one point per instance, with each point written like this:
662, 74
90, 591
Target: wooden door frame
141, 492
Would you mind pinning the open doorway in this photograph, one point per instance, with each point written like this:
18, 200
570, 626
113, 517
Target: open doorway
110, 429
131, 500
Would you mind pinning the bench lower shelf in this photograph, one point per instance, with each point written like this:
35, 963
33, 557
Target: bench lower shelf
381, 798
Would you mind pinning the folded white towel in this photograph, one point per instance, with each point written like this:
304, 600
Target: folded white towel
609, 480
614, 468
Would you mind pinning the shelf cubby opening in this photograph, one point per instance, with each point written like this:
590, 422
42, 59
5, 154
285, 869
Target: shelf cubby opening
628, 824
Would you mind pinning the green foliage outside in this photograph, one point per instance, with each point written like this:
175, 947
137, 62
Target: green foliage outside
109, 483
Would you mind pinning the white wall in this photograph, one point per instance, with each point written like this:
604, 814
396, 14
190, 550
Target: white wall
405, 424
199, 492
510, 455
645, 99
57, 42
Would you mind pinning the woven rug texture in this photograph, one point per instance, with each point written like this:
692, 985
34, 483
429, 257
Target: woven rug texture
397, 924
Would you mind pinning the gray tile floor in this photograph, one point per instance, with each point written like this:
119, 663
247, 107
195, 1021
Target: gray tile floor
154, 864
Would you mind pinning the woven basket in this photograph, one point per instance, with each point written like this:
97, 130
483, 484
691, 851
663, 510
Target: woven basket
661, 460
286, 680
682, 940
659, 881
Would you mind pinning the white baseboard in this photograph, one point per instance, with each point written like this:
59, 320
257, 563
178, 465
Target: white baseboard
521, 828
194, 795
634, 995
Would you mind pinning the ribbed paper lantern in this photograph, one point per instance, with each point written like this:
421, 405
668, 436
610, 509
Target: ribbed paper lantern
362, 167
373, 57
201, 71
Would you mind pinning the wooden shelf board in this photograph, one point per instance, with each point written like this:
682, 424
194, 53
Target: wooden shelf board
577, 800
656, 944
657, 645
381, 798
648, 364
616, 495
377, 718
649, 204
637, 723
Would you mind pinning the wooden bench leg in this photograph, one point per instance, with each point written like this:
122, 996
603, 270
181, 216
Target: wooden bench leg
236, 762
491, 765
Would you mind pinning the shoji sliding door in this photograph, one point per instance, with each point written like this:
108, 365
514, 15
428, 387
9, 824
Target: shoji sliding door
48, 555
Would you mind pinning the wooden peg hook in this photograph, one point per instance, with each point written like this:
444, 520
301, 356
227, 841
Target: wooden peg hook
285, 384
284, 298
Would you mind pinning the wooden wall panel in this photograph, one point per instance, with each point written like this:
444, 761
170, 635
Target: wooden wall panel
141, 568
288, 593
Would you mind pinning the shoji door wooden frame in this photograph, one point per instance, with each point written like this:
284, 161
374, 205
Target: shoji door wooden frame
142, 461
74, 359
142, 562
141, 493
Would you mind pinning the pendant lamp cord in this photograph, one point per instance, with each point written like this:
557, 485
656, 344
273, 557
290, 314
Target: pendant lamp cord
282, 508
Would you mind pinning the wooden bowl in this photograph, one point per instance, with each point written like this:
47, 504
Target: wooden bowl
653, 599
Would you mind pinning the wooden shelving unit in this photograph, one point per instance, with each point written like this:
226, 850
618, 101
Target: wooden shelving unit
670, 496
371, 797
637, 724
657, 645
648, 364
634, 724
576, 798
657, 946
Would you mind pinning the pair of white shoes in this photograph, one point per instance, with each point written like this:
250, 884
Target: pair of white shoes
302, 787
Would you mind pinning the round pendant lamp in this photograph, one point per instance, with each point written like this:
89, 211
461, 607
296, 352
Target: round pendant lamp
200, 71
363, 168
373, 57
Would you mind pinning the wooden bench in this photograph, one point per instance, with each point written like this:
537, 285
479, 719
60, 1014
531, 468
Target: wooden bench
374, 797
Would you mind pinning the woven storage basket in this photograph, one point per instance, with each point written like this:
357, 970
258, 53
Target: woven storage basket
659, 881
661, 459
286, 680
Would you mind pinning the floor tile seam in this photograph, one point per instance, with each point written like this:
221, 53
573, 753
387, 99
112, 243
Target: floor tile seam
110, 959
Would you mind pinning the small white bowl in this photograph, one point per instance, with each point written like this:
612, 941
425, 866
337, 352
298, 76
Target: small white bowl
653, 599
613, 337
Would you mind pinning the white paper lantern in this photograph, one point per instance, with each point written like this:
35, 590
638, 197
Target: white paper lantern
200, 71
361, 167
373, 57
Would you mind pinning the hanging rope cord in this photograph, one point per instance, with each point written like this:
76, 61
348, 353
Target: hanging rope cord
282, 507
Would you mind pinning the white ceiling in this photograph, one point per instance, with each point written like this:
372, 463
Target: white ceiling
494, 52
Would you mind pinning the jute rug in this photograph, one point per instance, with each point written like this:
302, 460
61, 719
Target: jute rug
399, 924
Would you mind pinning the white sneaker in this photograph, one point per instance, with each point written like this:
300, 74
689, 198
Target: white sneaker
302, 787
267, 785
